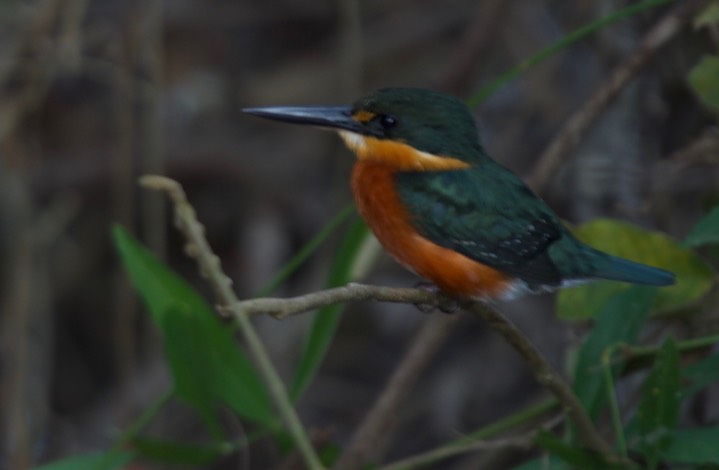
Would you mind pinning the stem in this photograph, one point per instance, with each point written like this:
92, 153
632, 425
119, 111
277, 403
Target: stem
477, 440
307, 250
211, 269
557, 46
135, 428
639, 352
545, 375
373, 435
613, 404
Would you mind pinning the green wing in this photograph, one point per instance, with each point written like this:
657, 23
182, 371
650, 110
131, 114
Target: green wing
487, 214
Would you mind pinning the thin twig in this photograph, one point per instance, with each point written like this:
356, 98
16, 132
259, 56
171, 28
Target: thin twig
523, 442
545, 375
373, 435
520, 443
664, 30
703, 150
199, 249
352, 292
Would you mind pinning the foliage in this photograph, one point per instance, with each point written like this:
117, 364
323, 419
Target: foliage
703, 76
209, 366
694, 276
703, 80
651, 435
211, 370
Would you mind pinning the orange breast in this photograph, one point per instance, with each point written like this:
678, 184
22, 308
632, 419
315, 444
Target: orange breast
379, 205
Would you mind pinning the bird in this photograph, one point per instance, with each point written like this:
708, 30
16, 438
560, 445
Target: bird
444, 209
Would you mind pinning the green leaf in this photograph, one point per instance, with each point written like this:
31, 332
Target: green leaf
94, 461
329, 454
209, 367
158, 287
192, 376
694, 276
179, 453
704, 80
706, 231
555, 446
658, 409
701, 374
324, 323
708, 16
619, 321
694, 446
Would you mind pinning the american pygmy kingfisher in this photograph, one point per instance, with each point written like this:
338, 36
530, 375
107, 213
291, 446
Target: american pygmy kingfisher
444, 209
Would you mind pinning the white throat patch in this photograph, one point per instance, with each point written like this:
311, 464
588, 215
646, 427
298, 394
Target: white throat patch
354, 141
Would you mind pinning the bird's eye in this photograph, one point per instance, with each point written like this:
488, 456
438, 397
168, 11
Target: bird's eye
387, 121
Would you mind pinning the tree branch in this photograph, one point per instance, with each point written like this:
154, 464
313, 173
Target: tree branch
542, 370
352, 292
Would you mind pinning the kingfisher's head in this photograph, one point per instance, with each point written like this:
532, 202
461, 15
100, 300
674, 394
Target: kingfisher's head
410, 128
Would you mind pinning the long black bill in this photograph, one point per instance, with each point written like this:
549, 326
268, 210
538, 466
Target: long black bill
329, 117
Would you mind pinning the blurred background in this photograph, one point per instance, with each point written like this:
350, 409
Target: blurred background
96, 93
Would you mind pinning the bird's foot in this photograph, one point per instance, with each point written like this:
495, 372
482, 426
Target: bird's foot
441, 301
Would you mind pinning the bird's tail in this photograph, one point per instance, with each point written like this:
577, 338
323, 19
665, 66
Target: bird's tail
620, 269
